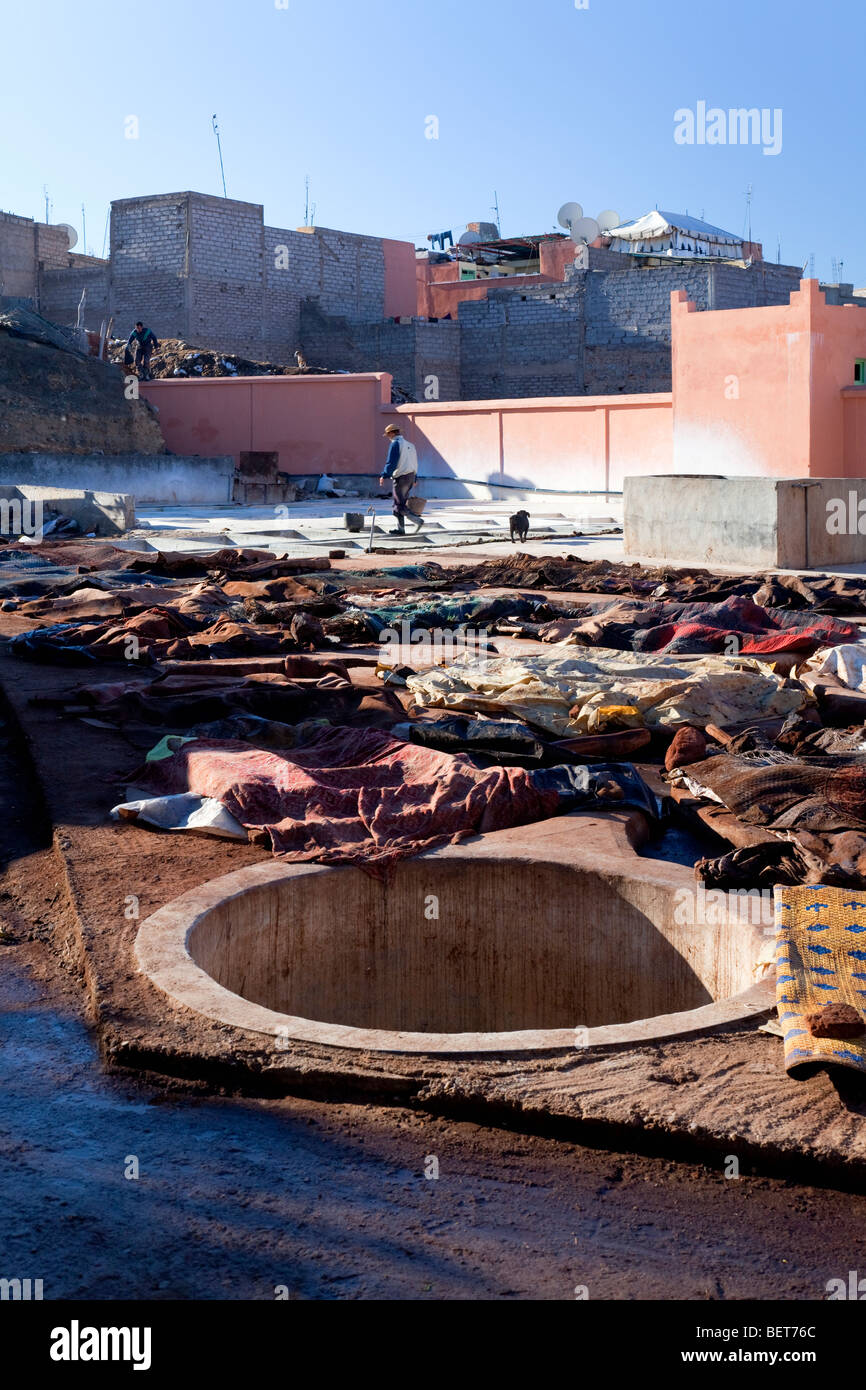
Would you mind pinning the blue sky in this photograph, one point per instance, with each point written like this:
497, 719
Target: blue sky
543, 102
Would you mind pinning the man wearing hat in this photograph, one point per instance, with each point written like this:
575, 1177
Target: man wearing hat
402, 469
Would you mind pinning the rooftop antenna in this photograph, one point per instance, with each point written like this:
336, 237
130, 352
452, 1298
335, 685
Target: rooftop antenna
309, 208
495, 209
105, 233
749, 209
47, 212
83, 230
778, 249
834, 264
216, 131
811, 265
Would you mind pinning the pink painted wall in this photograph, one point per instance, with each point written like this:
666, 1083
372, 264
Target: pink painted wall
569, 443
437, 298
838, 338
740, 388
756, 392
760, 391
400, 292
854, 431
440, 292
315, 424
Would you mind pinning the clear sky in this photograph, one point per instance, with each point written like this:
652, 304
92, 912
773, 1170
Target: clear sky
541, 100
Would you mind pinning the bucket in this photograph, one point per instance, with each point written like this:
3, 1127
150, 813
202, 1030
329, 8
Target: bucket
416, 505
353, 521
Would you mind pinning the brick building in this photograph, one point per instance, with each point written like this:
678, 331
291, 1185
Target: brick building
210, 271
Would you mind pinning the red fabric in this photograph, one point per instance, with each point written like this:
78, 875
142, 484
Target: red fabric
353, 796
698, 637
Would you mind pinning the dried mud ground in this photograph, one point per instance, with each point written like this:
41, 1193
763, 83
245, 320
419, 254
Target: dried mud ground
237, 1198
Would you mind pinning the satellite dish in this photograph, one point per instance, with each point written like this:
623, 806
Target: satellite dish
607, 220
585, 229
469, 239
71, 234
568, 214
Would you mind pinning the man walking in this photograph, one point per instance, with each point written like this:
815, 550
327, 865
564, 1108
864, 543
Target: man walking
402, 469
141, 342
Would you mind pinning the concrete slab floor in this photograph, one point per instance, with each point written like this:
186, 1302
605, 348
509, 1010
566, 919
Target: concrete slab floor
321, 524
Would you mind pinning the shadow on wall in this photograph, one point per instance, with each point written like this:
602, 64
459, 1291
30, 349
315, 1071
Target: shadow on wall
437, 477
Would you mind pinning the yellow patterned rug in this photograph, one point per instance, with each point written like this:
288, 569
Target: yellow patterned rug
820, 960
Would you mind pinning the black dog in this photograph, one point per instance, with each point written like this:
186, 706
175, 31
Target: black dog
519, 524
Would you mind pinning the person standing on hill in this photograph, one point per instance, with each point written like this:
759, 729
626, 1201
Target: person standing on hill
139, 346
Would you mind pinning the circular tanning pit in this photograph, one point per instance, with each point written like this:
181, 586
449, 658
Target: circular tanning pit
460, 951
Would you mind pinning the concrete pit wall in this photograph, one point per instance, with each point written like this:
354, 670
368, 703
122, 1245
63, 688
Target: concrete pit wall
156, 478
22, 510
758, 523
512, 943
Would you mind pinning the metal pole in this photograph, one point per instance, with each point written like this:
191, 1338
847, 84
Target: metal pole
216, 131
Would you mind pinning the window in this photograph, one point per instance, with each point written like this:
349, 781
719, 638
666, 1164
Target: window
860, 372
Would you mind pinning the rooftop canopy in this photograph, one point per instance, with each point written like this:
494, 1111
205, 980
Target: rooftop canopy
675, 234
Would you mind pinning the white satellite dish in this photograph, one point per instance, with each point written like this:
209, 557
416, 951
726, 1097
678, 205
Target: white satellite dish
469, 239
568, 214
607, 220
585, 229
71, 234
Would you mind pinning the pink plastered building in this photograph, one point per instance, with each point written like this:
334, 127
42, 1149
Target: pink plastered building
766, 392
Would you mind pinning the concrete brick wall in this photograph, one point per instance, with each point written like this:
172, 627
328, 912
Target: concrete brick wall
524, 343
412, 352
26, 247
604, 331
149, 262
60, 293
226, 275
204, 269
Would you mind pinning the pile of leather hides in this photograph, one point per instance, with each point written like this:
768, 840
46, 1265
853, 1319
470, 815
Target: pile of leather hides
846, 663
809, 812
566, 695
360, 796
737, 626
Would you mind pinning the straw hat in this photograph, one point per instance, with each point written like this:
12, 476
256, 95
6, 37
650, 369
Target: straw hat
392, 429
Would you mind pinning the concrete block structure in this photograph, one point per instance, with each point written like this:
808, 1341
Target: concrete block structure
208, 270
761, 523
163, 478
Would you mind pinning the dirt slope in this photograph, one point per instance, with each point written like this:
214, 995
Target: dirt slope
61, 402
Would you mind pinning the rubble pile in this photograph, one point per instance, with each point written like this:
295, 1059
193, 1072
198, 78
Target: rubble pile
176, 358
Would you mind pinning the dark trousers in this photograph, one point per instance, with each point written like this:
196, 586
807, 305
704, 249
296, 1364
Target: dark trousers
141, 359
401, 488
